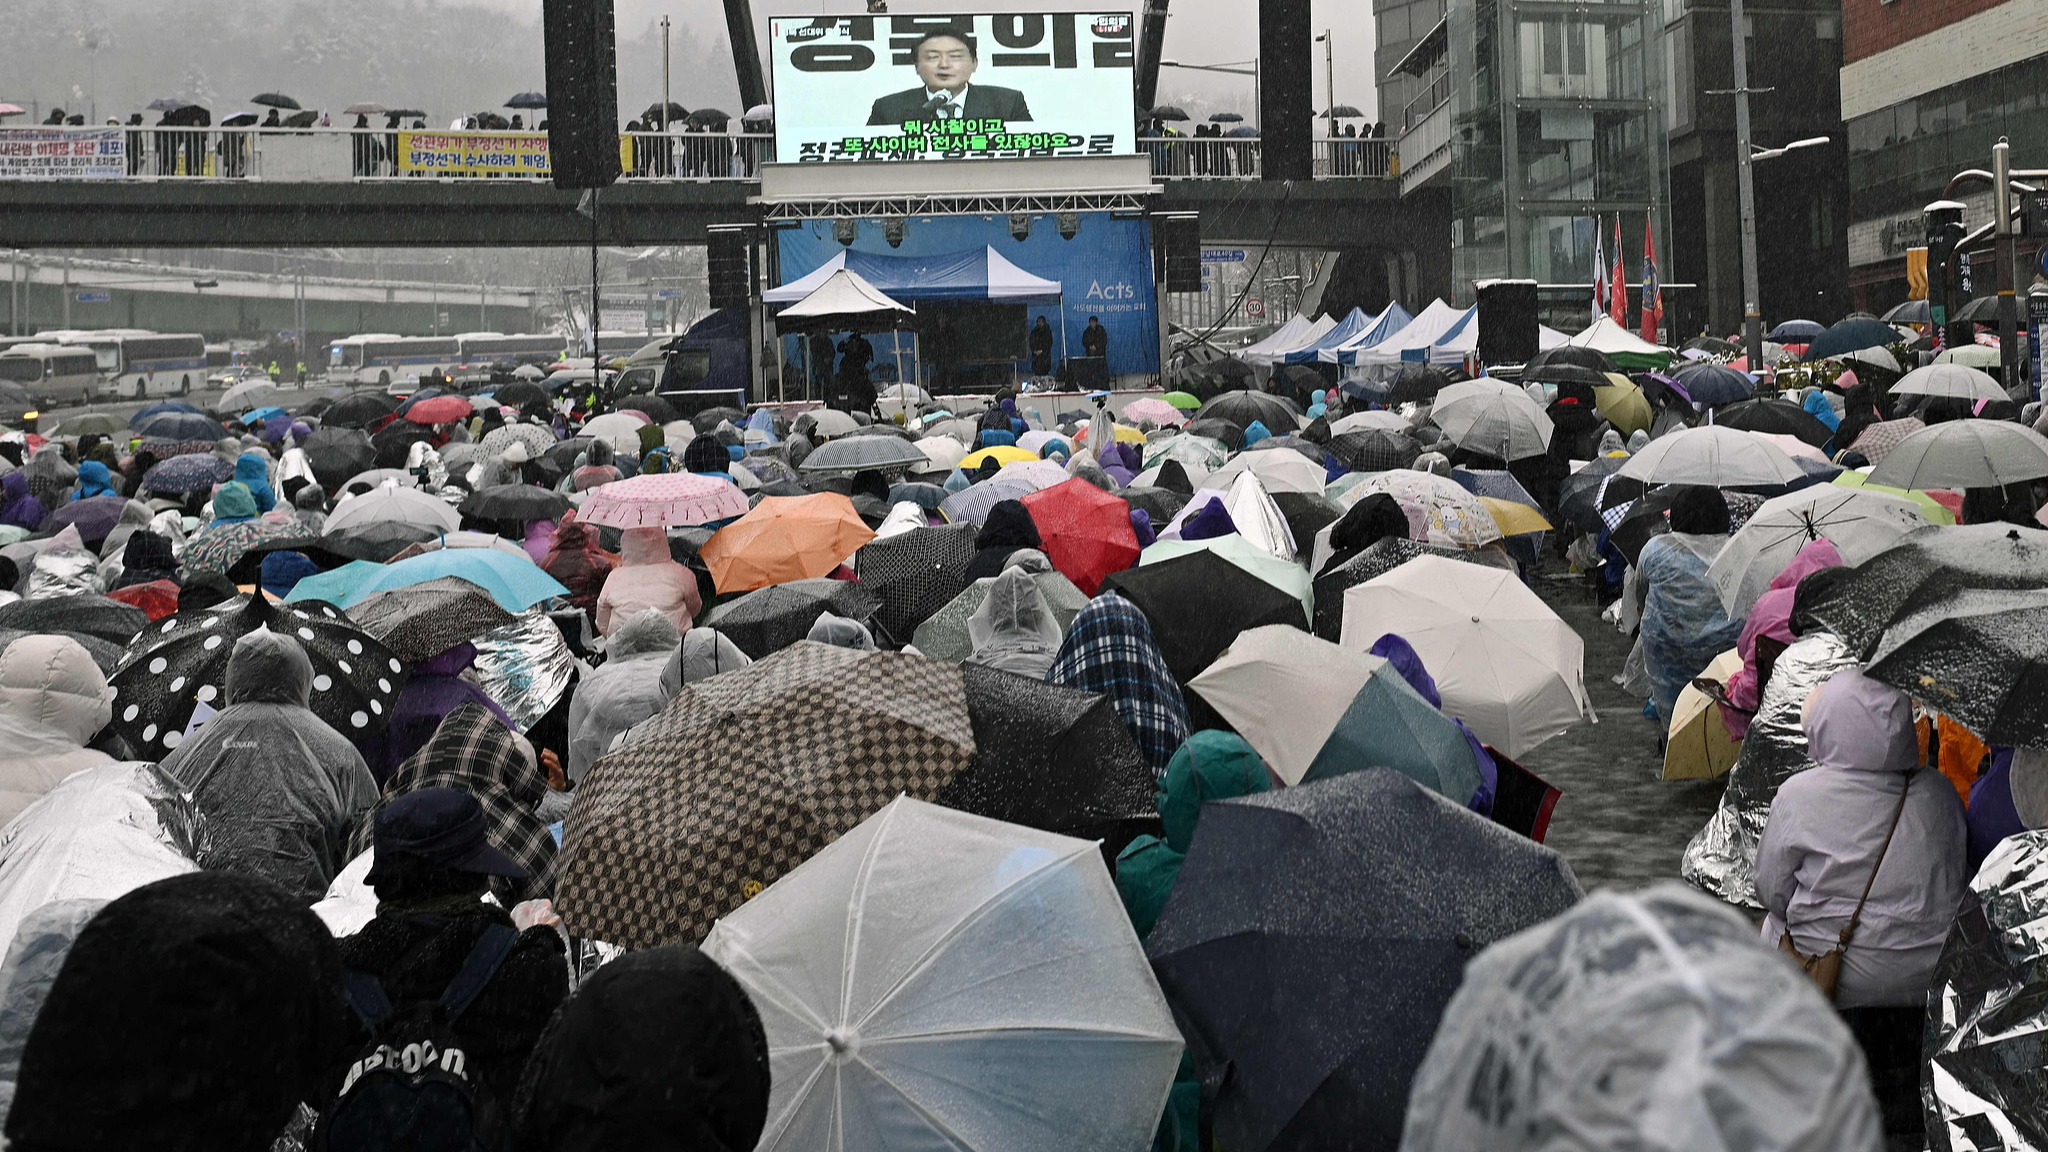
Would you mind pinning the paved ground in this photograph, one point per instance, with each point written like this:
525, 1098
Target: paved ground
1617, 823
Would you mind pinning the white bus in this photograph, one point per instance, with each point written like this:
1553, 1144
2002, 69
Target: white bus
380, 357
483, 349
51, 373
143, 364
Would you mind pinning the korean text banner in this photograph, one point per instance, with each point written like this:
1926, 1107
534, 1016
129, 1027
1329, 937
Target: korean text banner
953, 87
63, 154
484, 153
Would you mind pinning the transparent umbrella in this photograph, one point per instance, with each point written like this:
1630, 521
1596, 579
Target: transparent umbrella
939, 980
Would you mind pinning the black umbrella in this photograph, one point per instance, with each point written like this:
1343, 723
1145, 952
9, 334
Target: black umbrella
1381, 558
1713, 346
709, 118
1578, 497
89, 615
710, 418
1664, 391
1306, 513
239, 120
181, 426
182, 661
1910, 312
1375, 449
395, 440
1561, 373
1342, 112
1198, 603
1226, 118
1161, 505
1779, 417
914, 574
1571, 354
1317, 431
378, 540
653, 407
1313, 939
301, 119
1052, 758
520, 502
1851, 335
1243, 407
337, 453
1924, 568
520, 393
1173, 477
770, 619
275, 100
527, 100
166, 104
359, 410
1217, 428
408, 112
653, 116
1168, 112
1644, 519
1417, 384
1712, 384
424, 620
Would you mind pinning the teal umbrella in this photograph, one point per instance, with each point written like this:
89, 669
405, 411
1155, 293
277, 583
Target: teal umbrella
335, 585
515, 582
1389, 725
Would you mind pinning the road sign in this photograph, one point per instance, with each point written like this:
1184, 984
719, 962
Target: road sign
1255, 306
671, 293
1222, 255
93, 297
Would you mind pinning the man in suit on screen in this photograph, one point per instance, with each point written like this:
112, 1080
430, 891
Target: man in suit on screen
945, 64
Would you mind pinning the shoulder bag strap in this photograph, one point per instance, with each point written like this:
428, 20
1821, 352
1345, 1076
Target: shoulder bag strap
483, 962
1856, 917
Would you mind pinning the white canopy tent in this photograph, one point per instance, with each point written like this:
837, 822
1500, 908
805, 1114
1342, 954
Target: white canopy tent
1296, 334
845, 302
1463, 342
1430, 325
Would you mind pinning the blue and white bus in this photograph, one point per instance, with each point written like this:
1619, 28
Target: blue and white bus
381, 357
144, 364
484, 349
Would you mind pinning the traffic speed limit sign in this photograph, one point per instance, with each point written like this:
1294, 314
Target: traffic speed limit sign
1255, 307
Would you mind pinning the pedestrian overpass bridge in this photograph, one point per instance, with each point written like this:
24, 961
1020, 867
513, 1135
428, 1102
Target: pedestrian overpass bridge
215, 187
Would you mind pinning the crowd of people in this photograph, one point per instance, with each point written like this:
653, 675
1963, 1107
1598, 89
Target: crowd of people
521, 766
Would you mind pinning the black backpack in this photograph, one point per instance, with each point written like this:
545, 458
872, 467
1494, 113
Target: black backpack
409, 1089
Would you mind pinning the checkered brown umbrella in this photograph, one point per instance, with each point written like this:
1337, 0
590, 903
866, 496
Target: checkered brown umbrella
914, 574
746, 775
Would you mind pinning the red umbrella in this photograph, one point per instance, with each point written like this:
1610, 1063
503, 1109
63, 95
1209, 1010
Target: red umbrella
1086, 532
440, 410
159, 598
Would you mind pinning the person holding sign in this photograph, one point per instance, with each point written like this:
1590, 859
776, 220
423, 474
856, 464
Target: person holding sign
945, 63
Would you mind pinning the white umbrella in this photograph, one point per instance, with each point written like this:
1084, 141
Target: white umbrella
619, 429
390, 502
1278, 471
1252, 512
246, 395
1859, 521
1876, 357
1964, 454
1973, 355
829, 422
529, 372
942, 454
1503, 661
1376, 420
936, 980
1712, 455
1491, 418
1439, 509
1952, 381
1284, 690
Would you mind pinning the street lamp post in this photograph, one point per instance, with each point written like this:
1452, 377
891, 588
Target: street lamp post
1329, 78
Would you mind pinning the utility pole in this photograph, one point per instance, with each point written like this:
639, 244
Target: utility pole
67, 291
1329, 78
2001, 246
664, 78
1745, 184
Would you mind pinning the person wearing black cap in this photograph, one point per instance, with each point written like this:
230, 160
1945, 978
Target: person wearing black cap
433, 863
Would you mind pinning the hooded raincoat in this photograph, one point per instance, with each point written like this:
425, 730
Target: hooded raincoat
20, 509
50, 476
705, 652
1770, 617
1008, 528
647, 577
53, 699
94, 479
435, 688
660, 1051
1210, 766
252, 471
192, 1014
1014, 629
40, 947
1827, 828
627, 688
279, 788
577, 562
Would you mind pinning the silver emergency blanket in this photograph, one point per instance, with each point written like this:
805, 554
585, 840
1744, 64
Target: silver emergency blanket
1985, 1086
1721, 860
525, 666
1652, 1021
64, 572
98, 834
422, 457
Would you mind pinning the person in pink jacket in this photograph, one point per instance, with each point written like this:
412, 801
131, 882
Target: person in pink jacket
1770, 618
647, 577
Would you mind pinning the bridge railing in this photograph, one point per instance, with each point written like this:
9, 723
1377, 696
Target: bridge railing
369, 154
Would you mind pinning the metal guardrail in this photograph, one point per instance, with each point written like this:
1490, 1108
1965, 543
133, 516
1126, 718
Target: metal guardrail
365, 154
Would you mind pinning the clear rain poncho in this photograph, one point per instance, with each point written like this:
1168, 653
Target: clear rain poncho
626, 689
1014, 630
1684, 624
1653, 1022
33, 961
280, 789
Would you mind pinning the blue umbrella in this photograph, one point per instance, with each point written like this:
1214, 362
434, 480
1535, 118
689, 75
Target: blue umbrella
1851, 336
143, 415
254, 415
1795, 331
187, 473
335, 585
181, 426
1711, 384
515, 582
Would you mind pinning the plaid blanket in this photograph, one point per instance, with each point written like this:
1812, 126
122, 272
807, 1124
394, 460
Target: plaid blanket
1109, 649
474, 751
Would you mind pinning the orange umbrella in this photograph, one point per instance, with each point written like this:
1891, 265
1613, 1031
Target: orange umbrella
785, 538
